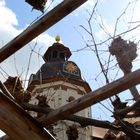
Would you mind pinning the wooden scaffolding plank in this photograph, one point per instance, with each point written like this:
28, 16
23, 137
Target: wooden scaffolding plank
18, 124
93, 97
55, 15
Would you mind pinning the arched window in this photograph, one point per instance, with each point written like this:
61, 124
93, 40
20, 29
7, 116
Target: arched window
62, 56
49, 58
55, 54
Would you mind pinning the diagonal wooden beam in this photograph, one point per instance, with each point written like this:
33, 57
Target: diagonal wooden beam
48, 20
93, 97
19, 125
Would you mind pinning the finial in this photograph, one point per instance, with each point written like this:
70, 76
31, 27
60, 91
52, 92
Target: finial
57, 38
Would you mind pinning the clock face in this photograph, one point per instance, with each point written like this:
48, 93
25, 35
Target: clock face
71, 68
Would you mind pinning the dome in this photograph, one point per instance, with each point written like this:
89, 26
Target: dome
58, 68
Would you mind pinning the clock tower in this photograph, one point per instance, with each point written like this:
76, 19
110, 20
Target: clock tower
57, 83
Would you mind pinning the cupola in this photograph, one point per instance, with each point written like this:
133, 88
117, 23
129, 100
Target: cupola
57, 52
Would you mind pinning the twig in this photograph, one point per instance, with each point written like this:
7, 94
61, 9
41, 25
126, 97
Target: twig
29, 62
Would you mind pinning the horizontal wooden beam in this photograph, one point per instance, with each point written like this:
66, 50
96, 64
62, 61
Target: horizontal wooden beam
6, 137
51, 18
19, 125
93, 97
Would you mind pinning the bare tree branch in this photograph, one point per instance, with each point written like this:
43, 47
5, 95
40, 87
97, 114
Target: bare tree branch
81, 120
122, 112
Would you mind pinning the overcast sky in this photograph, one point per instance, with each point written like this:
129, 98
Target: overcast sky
15, 16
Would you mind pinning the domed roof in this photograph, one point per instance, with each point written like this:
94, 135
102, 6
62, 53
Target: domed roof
57, 68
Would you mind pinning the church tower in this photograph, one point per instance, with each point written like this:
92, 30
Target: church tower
57, 83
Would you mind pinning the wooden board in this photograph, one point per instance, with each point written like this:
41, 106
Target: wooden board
94, 97
19, 125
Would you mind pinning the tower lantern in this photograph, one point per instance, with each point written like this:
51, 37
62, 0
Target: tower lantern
57, 52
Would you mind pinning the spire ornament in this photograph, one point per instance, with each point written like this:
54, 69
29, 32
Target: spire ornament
57, 38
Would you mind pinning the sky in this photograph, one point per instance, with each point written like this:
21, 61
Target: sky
110, 18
